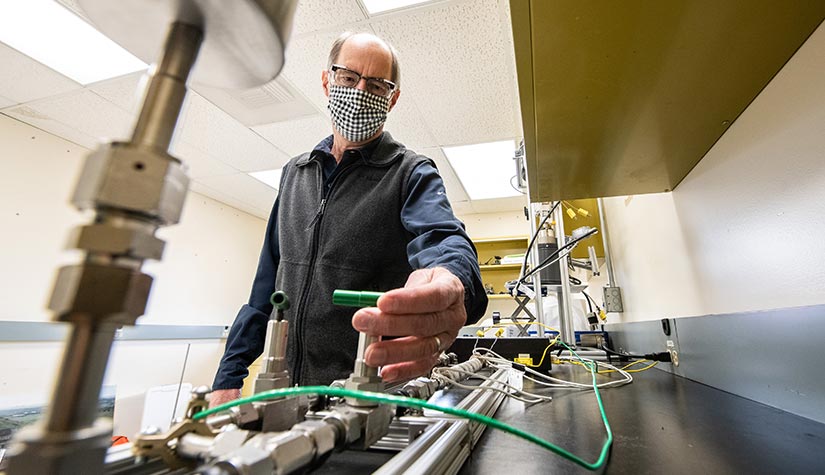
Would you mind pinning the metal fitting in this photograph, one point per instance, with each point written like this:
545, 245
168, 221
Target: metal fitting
279, 415
146, 182
289, 451
246, 460
375, 423
363, 383
420, 388
323, 435
90, 291
245, 416
118, 241
348, 422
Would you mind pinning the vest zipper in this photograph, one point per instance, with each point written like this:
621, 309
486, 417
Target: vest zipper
316, 234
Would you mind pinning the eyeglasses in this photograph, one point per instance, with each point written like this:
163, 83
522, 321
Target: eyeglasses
349, 78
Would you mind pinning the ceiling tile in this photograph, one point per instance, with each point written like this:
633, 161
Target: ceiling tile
215, 132
122, 91
241, 187
296, 136
460, 73
198, 163
23, 79
82, 117
407, 125
315, 15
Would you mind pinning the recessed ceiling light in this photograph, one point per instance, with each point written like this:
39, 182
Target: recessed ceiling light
49, 33
381, 6
485, 169
270, 177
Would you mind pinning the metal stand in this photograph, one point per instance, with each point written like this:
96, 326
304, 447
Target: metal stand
563, 294
134, 188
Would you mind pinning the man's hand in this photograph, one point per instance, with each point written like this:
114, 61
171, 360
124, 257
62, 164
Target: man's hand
427, 314
221, 396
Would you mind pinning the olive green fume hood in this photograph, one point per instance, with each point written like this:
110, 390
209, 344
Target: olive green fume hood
625, 97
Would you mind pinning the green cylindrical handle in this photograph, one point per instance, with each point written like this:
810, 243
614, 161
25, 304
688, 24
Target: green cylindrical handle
355, 298
279, 300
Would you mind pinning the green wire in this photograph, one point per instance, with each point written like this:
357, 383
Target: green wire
420, 404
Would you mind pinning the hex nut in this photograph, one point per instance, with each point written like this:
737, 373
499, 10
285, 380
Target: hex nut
109, 239
248, 460
322, 433
349, 420
289, 451
142, 181
363, 383
95, 292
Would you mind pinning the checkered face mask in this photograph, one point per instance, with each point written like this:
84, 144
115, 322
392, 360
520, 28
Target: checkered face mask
357, 114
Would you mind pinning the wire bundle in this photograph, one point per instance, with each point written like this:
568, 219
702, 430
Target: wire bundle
497, 361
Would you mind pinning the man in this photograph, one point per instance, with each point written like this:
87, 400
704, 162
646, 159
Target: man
358, 212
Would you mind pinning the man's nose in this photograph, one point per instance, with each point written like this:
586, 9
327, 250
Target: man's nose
362, 84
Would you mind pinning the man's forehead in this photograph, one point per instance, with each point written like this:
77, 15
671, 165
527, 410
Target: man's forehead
366, 51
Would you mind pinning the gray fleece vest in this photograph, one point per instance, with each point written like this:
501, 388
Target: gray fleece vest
349, 237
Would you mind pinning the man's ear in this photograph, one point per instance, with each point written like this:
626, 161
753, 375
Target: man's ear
394, 99
325, 82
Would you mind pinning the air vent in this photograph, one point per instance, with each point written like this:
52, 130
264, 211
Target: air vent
273, 102
268, 95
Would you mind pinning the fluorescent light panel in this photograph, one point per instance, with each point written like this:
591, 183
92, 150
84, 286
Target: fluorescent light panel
49, 33
380, 6
269, 177
484, 169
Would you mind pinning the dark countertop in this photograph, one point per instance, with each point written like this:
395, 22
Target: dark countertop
661, 424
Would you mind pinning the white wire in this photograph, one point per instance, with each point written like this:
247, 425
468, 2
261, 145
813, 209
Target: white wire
536, 397
493, 388
499, 362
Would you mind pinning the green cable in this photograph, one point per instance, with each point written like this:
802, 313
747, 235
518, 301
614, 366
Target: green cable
420, 404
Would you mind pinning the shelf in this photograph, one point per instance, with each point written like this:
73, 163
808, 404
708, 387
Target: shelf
499, 297
518, 239
501, 267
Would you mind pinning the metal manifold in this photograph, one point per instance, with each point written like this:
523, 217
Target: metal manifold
235, 443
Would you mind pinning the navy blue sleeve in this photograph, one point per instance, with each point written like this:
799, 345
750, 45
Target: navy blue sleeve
440, 238
246, 338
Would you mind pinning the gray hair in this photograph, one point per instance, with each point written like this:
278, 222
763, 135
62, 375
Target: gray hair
339, 43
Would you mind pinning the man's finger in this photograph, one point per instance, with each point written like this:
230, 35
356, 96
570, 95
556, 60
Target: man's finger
439, 294
407, 370
375, 322
404, 349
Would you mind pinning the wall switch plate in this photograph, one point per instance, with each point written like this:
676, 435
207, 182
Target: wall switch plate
613, 300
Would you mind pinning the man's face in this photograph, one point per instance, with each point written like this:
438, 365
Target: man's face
367, 57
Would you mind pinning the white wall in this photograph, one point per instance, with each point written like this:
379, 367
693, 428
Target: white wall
204, 278
207, 268
744, 230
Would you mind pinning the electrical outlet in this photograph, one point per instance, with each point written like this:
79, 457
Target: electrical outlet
674, 355
613, 300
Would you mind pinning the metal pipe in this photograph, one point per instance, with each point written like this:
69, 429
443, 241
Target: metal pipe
608, 262
275, 346
166, 90
361, 367
75, 397
568, 334
538, 298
